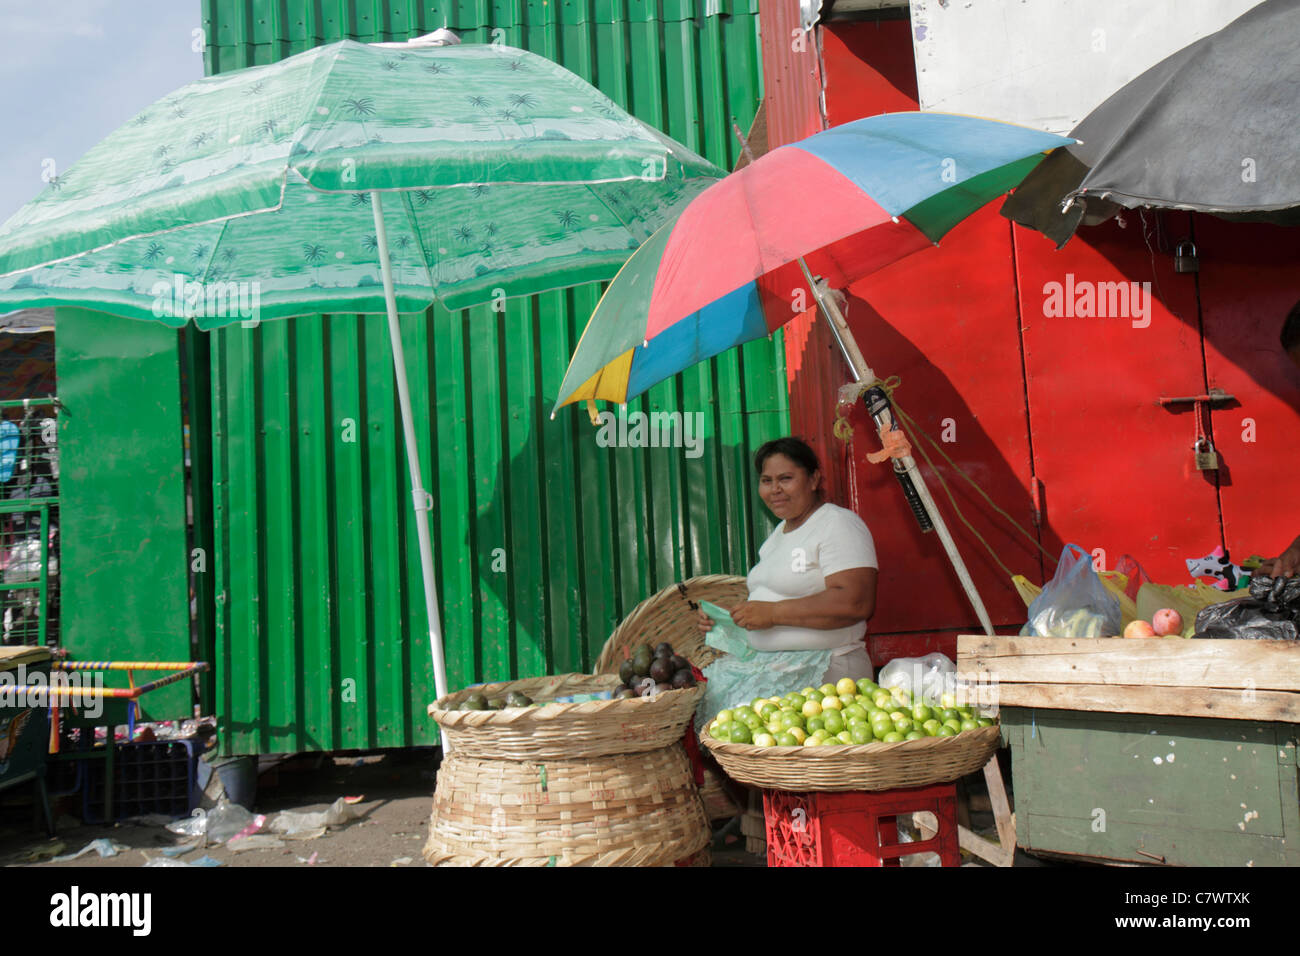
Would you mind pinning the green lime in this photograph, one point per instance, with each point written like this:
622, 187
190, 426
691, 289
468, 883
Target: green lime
861, 734
832, 721
985, 722
947, 731
813, 724
892, 738
786, 740
741, 734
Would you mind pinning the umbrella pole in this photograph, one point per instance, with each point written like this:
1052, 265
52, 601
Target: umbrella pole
421, 498
862, 372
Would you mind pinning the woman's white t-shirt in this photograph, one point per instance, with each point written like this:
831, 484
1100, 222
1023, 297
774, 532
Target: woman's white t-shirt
796, 564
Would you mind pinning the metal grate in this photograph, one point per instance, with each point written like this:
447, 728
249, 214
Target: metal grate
29, 521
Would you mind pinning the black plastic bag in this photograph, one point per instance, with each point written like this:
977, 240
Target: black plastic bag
1270, 613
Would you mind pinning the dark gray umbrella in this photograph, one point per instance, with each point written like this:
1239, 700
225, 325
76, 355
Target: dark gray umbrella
1212, 128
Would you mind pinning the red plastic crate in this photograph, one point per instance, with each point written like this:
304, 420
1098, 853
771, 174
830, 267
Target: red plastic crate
856, 828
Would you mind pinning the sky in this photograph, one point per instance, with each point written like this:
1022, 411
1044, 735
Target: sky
75, 70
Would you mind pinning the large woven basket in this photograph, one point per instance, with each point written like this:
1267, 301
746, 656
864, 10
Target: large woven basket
637, 809
562, 731
875, 766
671, 616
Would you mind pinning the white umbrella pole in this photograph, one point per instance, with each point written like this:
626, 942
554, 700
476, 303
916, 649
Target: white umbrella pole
422, 499
862, 372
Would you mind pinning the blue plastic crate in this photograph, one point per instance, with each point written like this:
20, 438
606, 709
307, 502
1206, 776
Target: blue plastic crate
154, 777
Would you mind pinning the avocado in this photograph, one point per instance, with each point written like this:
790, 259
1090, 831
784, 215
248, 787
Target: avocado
642, 660
661, 670
625, 672
475, 702
625, 694
682, 679
680, 663
661, 688
664, 650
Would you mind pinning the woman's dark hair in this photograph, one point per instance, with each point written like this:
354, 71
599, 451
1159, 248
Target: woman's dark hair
1291, 330
793, 448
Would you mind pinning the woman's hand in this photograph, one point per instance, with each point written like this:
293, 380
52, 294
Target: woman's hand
755, 615
703, 622
1285, 565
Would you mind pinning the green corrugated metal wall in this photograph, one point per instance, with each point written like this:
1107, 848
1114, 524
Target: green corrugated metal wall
543, 540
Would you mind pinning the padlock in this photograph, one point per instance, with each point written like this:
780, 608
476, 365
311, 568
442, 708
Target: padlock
1185, 261
1207, 459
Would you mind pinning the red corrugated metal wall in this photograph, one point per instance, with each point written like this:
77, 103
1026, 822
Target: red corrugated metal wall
1070, 403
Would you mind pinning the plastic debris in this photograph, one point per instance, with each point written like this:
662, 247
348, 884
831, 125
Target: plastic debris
42, 852
203, 861
401, 861
103, 846
309, 826
196, 824
309, 860
181, 849
227, 820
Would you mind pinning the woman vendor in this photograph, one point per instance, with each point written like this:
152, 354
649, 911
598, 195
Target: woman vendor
814, 586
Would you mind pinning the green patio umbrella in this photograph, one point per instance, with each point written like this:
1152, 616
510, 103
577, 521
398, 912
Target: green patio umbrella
352, 178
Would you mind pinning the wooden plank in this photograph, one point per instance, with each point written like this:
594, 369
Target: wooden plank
984, 849
1168, 662
1006, 823
1174, 701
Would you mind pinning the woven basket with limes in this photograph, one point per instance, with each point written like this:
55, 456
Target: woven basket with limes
854, 735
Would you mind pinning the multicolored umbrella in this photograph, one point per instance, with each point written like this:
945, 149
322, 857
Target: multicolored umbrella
845, 201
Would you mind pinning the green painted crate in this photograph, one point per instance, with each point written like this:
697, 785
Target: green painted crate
1154, 788
1176, 752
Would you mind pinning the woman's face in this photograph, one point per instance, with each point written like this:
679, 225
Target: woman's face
786, 488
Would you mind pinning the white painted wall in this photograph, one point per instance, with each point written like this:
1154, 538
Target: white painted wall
1048, 63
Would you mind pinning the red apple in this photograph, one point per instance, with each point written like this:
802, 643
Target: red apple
1167, 621
1139, 629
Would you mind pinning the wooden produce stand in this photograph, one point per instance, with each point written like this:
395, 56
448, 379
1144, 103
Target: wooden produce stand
1163, 751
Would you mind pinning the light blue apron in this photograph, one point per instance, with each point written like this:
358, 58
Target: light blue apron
746, 673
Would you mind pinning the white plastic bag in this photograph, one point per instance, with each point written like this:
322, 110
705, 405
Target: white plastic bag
1074, 603
928, 677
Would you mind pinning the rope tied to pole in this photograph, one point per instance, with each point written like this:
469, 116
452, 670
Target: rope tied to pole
853, 391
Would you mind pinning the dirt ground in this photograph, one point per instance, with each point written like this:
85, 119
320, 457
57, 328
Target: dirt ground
397, 791
397, 788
